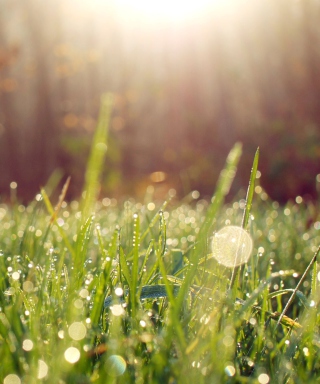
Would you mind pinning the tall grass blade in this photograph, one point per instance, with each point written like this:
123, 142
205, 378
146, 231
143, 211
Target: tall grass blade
250, 190
235, 277
52, 212
313, 260
223, 186
135, 263
96, 158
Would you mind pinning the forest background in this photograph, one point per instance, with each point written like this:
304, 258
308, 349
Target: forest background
185, 89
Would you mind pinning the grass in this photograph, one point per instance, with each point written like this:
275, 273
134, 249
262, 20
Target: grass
258, 323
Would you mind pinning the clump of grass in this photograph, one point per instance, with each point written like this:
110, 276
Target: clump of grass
172, 314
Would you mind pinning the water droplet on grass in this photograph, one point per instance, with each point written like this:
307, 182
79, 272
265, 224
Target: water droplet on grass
115, 365
230, 370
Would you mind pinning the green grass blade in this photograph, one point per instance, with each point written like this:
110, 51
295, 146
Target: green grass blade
135, 263
100, 293
96, 158
125, 272
81, 252
63, 234
250, 190
235, 277
313, 260
223, 186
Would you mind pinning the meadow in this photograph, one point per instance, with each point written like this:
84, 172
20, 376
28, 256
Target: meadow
103, 291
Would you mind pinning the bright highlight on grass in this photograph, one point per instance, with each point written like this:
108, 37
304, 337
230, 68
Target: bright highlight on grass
231, 246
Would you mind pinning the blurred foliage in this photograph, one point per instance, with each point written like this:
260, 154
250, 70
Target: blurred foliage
184, 93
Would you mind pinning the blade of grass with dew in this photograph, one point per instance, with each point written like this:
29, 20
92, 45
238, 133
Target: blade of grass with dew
53, 181
100, 241
235, 277
135, 263
250, 191
92, 185
223, 186
171, 299
314, 280
300, 295
96, 158
144, 263
308, 319
100, 293
81, 252
154, 220
313, 260
60, 200
125, 272
60, 229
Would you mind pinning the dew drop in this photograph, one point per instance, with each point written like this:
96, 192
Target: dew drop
115, 365
230, 370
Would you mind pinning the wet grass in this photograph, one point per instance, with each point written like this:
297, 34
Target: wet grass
173, 314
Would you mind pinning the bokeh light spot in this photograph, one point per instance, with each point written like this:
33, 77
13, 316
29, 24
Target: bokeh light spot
117, 310
118, 291
72, 355
231, 246
42, 369
12, 379
16, 275
263, 378
27, 345
77, 331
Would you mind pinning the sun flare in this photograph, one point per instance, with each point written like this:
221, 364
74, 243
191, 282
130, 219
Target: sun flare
174, 10
155, 11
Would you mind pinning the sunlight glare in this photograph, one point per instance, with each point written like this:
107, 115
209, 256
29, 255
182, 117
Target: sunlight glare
174, 10
164, 11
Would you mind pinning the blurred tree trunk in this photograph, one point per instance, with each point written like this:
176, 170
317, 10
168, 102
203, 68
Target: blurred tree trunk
10, 162
44, 129
310, 27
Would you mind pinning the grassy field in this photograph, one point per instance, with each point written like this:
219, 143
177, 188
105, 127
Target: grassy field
174, 312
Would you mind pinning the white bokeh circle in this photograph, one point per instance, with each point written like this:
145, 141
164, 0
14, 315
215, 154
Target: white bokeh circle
231, 246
